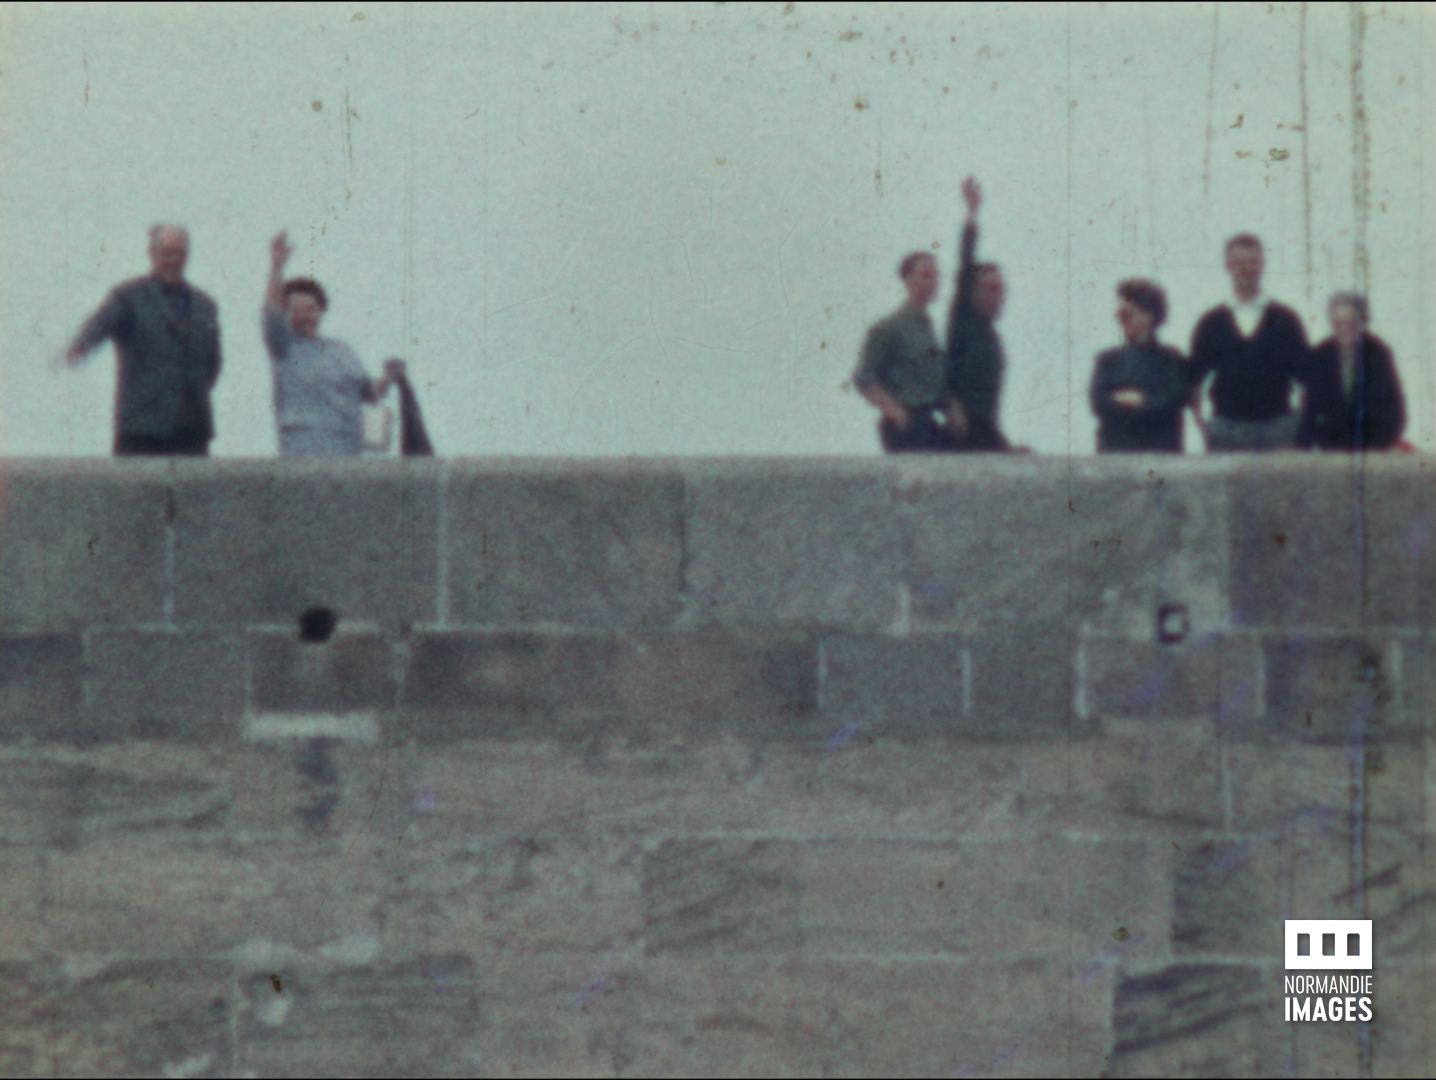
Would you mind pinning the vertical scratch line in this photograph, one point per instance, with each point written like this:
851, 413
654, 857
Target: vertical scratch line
1211, 98
1360, 151
1361, 197
442, 606
1305, 150
408, 182
171, 542
1067, 104
484, 238
1151, 190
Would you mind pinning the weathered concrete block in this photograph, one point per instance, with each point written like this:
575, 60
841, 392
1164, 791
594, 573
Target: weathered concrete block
720, 896
528, 786
1145, 539
133, 1018
22, 894
1397, 779
1325, 1049
1226, 898
1138, 776
28, 800
764, 686
27, 1038
183, 687
40, 690
419, 1018
153, 896
1396, 889
791, 543
855, 785
1011, 683
1322, 543
766, 1016
1338, 689
1199, 1020
1403, 1039
1023, 684
470, 685
1109, 542
53, 797
1232, 895
297, 789
1418, 681
91, 803
583, 687
1280, 786
1008, 518
348, 672
1150, 681
545, 542
82, 544
562, 1014
908, 687
1209, 676
537, 894
261, 541
990, 900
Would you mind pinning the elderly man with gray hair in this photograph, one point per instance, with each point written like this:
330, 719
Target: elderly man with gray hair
166, 335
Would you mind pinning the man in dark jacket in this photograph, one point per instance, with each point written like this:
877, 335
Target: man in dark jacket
166, 334
975, 360
1257, 352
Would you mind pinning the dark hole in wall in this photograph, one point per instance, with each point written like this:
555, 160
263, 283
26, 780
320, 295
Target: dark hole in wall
1173, 623
317, 624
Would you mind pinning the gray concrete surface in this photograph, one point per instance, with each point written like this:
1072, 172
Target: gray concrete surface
803, 767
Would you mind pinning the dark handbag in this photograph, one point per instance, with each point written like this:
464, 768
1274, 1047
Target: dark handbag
413, 436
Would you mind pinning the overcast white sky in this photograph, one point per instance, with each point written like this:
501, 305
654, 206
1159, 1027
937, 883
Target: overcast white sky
642, 229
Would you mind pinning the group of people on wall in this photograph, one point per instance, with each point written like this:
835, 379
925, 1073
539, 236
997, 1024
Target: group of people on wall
166, 336
1251, 351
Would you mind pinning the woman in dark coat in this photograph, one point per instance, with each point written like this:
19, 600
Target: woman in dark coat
1140, 388
1353, 399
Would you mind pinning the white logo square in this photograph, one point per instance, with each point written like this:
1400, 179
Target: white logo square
1328, 944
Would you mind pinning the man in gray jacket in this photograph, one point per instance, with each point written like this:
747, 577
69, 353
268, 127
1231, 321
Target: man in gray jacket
166, 334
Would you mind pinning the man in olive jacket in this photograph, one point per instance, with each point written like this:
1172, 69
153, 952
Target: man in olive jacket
166, 334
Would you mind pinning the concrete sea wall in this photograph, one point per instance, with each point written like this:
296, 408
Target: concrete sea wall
819, 767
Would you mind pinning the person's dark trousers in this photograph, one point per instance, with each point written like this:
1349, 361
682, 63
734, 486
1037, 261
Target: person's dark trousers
922, 434
982, 437
191, 442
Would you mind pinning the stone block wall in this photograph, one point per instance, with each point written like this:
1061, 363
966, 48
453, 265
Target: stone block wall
1005, 766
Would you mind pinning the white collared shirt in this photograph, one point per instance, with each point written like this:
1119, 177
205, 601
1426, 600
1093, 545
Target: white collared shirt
1248, 313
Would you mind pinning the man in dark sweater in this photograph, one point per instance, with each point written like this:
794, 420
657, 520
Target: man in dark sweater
1256, 351
166, 335
975, 361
